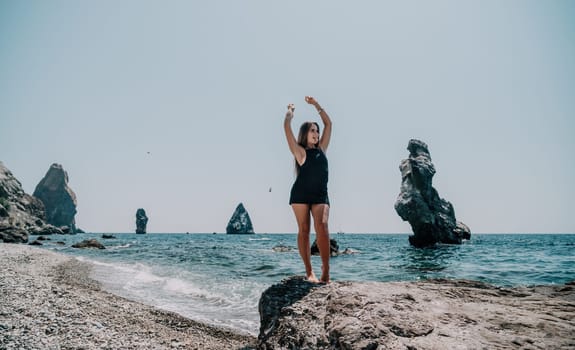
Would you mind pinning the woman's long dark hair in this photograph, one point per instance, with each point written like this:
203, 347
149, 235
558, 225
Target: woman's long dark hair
302, 139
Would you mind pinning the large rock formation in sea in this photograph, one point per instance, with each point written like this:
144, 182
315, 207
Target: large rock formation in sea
240, 221
58, 198
20, 213
141, 221
432, 314
432, 218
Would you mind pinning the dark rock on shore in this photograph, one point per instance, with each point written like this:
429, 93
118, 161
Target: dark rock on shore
11, 234
240, 222
20, 213
433, 314
141, 221
89, 243
432, 218
58, 198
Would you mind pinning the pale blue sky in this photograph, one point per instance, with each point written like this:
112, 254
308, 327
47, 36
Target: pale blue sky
203, 86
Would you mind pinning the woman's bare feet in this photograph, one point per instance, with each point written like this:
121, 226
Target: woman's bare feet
311, 278
324, 276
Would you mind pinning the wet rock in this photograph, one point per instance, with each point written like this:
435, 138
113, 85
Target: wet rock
333, 247
281, 248
89, 243
432, 218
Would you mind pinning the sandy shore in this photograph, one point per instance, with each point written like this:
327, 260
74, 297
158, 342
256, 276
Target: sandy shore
49, 302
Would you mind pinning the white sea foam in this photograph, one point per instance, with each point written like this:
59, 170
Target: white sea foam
227, 303
127, 245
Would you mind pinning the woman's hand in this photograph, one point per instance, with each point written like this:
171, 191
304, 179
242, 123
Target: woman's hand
291, 109
311, 100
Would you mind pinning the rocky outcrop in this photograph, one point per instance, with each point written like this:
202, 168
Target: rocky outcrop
434, 314
240, 221
59, 199
20, 213
432, 218
141, 221
89, 243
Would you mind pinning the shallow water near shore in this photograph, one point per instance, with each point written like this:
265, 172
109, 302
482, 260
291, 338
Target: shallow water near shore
219, 278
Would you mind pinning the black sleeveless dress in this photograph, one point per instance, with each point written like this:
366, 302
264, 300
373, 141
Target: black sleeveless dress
310, 186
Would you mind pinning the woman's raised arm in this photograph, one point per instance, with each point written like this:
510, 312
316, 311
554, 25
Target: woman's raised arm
326, 135
297, 150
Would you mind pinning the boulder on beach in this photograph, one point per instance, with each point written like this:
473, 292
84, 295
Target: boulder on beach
432, 314
240, 222
432, 218
58, 198
141, 221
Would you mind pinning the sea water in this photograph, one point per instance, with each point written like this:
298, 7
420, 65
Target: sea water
218, 278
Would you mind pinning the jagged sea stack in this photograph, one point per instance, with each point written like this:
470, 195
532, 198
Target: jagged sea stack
432, 218
240, 223
141, 221
59, 199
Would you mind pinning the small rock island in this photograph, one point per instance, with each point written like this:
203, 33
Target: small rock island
141, 221
240, 222
432, 218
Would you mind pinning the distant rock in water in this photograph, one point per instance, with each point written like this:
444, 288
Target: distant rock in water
59, 199
432, 218
240, 223
141, 221
89, 243
333, 247
20, 213
282, 248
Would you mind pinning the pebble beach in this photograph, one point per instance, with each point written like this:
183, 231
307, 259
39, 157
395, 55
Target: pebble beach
50, 302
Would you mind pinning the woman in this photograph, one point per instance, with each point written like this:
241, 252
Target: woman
309, 192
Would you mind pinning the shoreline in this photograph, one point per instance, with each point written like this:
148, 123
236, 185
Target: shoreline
50, 302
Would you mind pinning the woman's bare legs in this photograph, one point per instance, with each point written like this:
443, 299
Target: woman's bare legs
320, 213
301, 212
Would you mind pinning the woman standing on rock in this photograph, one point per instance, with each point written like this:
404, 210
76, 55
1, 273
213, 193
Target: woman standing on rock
309, 192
